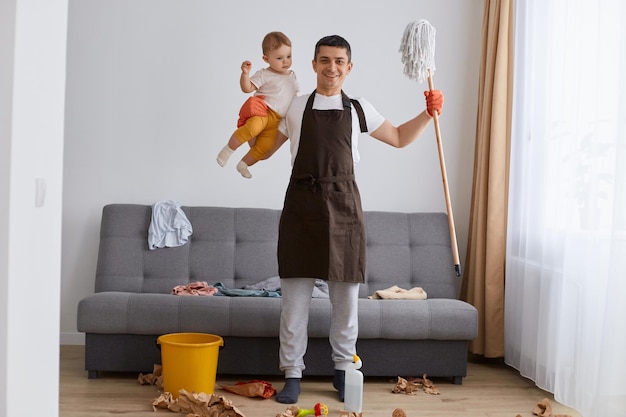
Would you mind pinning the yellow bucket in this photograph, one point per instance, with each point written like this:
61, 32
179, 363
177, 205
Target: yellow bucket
189, 361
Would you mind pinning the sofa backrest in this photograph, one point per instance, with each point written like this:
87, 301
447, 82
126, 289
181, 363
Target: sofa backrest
237, 247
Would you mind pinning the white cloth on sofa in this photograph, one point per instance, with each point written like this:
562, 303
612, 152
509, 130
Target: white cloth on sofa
169, 226
397, 293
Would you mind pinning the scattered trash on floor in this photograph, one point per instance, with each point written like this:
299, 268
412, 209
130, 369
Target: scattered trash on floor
544, 409
414, 385
398, 412
254, 388
155, 378
289, 412
211, 405
197, 405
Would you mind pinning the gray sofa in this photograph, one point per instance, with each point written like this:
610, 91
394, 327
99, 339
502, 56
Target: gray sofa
132, 304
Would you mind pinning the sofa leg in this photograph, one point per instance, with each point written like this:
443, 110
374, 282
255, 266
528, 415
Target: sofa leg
92, 374
457, 380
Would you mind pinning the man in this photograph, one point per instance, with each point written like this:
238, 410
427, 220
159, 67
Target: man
321, 232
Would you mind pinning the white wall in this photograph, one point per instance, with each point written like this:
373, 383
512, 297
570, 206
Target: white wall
7, 49
153, 94
32, 89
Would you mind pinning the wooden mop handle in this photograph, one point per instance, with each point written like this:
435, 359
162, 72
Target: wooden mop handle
444, 177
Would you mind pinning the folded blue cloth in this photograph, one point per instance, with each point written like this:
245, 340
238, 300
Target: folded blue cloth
320, 290
240, 292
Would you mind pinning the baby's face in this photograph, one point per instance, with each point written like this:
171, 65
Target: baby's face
279, 59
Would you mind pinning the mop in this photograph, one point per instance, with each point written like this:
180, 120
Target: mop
418, 57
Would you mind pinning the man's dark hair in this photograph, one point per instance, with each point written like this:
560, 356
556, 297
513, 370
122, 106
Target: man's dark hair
336, 41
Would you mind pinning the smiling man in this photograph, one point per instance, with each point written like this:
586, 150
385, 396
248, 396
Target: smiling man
321, 233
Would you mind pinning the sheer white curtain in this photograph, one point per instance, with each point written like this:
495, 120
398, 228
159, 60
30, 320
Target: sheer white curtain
565, 297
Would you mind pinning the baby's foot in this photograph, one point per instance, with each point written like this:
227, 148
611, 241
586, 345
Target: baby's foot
242, 167
223, 156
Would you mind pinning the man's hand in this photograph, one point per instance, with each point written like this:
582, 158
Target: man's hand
434, 102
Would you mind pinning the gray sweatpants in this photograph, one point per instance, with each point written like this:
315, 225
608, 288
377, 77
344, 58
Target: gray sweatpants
294, 319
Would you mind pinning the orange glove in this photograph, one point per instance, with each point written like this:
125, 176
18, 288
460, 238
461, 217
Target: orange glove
434, 101
254, 106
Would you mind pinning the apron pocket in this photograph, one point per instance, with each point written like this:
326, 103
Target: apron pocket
341, 208
345, 238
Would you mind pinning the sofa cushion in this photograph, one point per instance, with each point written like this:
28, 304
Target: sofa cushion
149, 314
237, 247
234, 246
409, 250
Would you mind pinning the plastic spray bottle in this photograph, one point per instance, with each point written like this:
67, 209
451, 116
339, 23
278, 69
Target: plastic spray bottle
353, 394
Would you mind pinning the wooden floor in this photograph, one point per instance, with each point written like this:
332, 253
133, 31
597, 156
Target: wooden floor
489, 390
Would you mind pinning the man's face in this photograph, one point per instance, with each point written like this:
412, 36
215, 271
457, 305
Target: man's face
331, 66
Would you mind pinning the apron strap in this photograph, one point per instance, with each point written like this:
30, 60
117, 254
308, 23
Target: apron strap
311, 181
361, 114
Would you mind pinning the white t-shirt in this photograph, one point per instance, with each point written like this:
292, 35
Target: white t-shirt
278, 89
291, 124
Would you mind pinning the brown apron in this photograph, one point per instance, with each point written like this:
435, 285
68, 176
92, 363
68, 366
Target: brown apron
321, 232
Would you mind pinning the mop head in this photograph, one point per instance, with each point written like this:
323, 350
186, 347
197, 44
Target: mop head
418, 50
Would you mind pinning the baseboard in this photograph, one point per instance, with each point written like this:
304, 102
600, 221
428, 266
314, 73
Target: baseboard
72, 338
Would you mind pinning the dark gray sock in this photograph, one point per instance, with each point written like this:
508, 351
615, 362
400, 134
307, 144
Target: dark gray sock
339, 382
290, 392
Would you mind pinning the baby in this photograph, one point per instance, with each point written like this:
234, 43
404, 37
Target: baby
274, 87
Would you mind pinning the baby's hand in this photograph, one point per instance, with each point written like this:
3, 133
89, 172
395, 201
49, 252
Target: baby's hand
246, 66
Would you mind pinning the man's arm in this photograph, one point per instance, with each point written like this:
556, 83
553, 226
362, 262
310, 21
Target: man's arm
404, 134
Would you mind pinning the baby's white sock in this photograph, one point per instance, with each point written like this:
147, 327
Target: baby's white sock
223, 156
242, 167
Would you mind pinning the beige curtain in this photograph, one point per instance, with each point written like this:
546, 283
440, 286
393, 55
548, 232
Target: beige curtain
483, 284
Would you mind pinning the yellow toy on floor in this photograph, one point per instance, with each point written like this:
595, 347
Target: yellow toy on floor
319, 409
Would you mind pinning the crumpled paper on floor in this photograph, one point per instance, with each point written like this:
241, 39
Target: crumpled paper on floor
197, 404
398, 412
254, 388
414, 385
544, 409
155, 378
289, 412
397, 293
